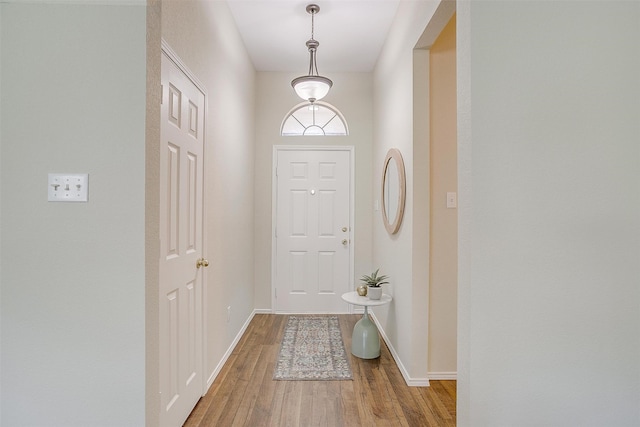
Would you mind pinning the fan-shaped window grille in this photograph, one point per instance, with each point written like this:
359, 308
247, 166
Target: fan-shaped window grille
319, 118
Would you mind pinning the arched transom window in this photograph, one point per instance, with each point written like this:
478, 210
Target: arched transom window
319, 118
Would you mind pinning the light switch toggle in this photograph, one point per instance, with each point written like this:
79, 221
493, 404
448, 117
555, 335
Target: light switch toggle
66, 187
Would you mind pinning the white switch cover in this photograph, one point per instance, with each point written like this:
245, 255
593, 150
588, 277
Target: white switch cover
452, 200
68, 187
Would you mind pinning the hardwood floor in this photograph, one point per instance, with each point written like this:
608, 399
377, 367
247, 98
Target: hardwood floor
244, 393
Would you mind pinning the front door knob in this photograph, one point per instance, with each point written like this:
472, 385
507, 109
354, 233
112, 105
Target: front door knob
201, 262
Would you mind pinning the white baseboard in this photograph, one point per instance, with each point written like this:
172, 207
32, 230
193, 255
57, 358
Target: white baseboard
226, 355
411, 382
435, 376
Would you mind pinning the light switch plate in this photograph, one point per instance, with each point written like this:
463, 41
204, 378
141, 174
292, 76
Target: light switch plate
452, 200
68, 187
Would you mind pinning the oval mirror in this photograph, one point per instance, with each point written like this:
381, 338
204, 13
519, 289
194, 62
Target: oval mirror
393, 190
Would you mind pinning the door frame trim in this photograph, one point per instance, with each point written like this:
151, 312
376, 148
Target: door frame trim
173, 56
274, 194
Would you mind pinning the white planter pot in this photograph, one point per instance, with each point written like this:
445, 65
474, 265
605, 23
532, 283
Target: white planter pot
374, 292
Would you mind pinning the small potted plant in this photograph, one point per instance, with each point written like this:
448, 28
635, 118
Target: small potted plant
374, 283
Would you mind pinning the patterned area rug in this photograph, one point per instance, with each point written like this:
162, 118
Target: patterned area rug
312, 349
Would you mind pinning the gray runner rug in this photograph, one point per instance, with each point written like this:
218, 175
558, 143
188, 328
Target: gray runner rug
312, 349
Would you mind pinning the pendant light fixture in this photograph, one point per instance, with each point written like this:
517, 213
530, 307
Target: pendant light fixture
312, 87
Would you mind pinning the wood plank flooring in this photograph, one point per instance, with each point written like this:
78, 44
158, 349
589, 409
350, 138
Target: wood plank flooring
244, 393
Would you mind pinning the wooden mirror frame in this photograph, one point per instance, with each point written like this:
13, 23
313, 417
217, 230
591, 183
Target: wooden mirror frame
393, 226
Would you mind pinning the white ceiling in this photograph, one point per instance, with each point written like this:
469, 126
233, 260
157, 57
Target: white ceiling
350, 32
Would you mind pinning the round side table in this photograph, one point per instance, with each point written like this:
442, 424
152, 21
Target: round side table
365, 341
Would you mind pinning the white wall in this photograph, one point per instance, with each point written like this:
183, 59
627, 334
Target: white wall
1, 212
550, 216
72, 279
404, 256
351, 94
204, 36
152, 212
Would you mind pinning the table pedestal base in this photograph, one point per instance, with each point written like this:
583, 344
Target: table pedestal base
365, 342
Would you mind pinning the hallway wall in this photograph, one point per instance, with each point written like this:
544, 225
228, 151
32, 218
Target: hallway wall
549, 159
72, 278
405, 321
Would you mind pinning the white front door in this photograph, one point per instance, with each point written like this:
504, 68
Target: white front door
313, 250
181, 294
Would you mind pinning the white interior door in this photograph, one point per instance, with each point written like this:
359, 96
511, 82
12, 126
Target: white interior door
313, 251
181, 294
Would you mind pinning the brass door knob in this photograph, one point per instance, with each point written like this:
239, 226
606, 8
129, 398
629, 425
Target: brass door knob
201, 262
345, 242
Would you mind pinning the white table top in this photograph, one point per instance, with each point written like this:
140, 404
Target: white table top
355, 299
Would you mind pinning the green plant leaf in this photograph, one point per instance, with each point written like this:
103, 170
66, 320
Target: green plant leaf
374, 280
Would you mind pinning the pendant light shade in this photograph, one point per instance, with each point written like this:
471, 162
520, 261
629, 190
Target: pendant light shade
312, 87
